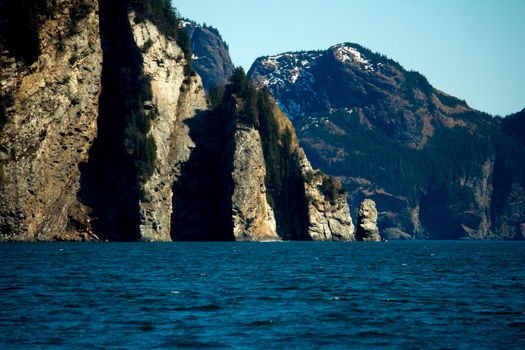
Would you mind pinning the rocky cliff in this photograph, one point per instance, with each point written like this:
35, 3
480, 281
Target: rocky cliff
175, 97
94, 129
261, 185
424, 156
50, 121
252, 216
107, 133
211, 57
328, 209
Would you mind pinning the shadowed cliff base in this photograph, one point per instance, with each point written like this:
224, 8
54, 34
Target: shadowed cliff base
247, 177
284, 182
110, 181
202, 195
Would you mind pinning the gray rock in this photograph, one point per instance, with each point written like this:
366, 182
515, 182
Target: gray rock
329, 218
211, 58
176, 100
367, 222
252, 216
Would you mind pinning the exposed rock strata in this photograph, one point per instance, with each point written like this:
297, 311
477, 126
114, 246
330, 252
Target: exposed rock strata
367, 222
107, 137
51, 123
327, 220
301, 210
175, 97
253, 218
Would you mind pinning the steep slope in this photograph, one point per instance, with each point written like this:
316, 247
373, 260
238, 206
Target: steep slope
349, 77
49, 106
435, 167
93, 131
107, 133
211, 57
250, 179
148, 91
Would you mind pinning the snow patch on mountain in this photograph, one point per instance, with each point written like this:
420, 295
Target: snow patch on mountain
289, 68
184, 24
347, 54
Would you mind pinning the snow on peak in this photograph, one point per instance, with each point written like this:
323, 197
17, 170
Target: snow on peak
347, 54
292, 68
289, 68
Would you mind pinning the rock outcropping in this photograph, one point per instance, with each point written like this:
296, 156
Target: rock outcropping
175, 98
63, 172
276, 193
328, 218
367, 222
252, 216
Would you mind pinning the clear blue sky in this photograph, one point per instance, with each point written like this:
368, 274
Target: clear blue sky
473, 49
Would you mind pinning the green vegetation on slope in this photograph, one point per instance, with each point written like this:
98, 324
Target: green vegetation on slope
439, 174
514, 125
239, 104
368, 153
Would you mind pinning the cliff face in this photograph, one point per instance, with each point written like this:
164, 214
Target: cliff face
175, 98
328, 213
109, 135
211, 57
50, 122
435, 167
94, 130
253, 218
276, 193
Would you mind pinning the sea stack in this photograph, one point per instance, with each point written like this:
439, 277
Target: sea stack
367, 222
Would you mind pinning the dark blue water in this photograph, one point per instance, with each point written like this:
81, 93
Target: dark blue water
407, 295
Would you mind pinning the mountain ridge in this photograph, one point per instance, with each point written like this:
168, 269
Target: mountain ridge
385, 132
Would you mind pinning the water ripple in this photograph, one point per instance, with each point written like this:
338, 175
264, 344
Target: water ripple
303, 295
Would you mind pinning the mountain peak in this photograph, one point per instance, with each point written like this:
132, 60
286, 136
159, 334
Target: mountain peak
348, 76
210, 55
349, 54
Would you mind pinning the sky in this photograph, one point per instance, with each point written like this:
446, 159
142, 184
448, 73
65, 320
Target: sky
472, 49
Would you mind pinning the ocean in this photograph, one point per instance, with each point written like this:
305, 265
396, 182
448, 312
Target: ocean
282, 295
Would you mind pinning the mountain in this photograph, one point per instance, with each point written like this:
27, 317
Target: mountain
436, 168
211, 56
107, 133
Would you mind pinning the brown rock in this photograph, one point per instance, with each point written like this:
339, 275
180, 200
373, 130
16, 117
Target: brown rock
51, 124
